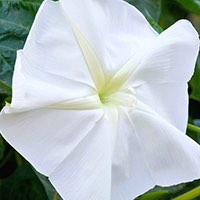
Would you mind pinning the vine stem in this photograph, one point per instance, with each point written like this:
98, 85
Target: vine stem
189, 195
194, 128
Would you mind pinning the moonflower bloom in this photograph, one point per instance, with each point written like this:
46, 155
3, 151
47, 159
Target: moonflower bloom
100, 100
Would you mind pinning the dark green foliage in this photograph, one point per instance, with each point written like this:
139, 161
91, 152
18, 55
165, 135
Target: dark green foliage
158, 195
191, 5
16, 18
195, 83
50, 191
2, 147
153, 7
22, 184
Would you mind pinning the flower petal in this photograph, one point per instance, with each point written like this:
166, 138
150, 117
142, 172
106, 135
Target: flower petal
171, 57
115, 37
52, 47
45, 137
150, 151
86, 173
90, 57
169, 100
130, 175
34, 88
160, 78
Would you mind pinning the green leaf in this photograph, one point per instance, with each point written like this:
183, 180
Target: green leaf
2, 148
4, 87
193, 128
155, 25
50, 190
190, 194
16, 18
153, 7
195, 82
158, 195
191, 5
193, 131
23, 184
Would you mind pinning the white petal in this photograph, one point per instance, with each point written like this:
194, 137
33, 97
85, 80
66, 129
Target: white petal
169, 100
160, 78
112, 114
130, 175
45, 137
33, 88
52, 47
114, 28
86, 173
171, 57
150, 152
92, 61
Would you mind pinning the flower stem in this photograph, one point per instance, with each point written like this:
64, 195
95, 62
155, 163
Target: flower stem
189, 195
194, 128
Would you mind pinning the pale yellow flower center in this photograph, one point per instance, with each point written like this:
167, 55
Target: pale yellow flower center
109, 91
119, 98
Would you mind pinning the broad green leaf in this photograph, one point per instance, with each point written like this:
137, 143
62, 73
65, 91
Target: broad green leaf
153, 7
16, 18
195, 82
191, 5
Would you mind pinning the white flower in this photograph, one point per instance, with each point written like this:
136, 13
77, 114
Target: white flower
100, 100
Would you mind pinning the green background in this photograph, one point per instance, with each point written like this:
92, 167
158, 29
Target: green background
18, 180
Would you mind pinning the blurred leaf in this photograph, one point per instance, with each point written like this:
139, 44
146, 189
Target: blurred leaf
2, 147
166, 193
194, 131
153, 23
16, 18
158, 195
195, 82
23, 184
171, 12
189, 194
4, 98
4, 89
5, 94
153, 7
193, 128
196, 122
191, 5
50, 190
